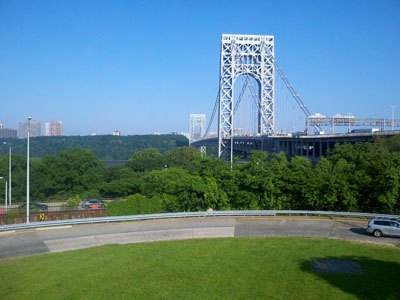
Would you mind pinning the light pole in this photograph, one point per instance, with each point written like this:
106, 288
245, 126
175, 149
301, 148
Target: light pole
393, 107
9, 173
349, 118
5, 200
5, 197
27, 170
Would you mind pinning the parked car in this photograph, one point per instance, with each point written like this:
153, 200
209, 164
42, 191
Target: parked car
34, 206
384, 227
94, 204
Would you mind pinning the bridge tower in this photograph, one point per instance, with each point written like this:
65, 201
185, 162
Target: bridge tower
197, 127
249, 55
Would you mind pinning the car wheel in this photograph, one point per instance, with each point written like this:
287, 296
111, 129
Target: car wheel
377, 233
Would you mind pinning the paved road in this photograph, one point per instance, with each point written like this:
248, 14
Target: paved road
58, 239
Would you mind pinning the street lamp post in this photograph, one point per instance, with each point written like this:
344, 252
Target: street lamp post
27, 170
9, 173
5, 200
393, 107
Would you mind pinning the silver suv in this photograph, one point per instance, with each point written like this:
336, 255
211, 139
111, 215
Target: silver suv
384, 227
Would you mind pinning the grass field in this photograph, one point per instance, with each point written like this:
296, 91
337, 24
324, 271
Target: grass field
234, 268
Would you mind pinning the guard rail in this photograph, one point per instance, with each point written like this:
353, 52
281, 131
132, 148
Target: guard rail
234, 213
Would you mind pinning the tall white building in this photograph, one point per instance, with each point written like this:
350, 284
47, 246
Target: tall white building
54, 128
36, 129
47, 129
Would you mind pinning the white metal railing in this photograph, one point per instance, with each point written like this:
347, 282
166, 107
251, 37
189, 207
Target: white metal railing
233, 213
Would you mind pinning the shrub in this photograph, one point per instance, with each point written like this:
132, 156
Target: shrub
73, 202
134, 205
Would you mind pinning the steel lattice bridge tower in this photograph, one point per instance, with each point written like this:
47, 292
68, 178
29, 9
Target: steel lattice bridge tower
249, 55
197, 121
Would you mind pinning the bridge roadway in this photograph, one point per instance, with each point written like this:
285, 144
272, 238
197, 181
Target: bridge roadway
59, 239
311, 146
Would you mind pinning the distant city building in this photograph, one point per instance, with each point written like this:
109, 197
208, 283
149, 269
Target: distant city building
8, 133
47, 129
36, 129
116, 133
54, 128
1, 126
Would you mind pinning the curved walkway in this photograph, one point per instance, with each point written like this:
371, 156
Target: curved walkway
58, 239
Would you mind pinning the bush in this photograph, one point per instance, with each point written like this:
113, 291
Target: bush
135, 205
73, 202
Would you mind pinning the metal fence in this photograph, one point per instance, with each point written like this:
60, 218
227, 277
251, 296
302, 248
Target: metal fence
236, 213
20, 207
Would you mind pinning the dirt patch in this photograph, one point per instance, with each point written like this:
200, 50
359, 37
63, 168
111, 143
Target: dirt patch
337, 266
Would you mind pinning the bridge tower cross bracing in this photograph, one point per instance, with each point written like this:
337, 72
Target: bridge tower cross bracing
249, 55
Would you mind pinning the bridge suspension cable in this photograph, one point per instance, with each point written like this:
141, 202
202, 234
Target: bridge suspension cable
216, 108
285, 80
292, 91
212, 115
240, 96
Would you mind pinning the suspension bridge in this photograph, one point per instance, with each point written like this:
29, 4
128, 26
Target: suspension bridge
257, 108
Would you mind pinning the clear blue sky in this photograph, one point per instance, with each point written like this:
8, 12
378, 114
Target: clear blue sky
144, 66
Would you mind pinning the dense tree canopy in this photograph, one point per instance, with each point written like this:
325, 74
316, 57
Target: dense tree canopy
359, 177
105, 147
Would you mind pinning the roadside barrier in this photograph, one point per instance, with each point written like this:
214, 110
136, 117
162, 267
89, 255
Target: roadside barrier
234, 213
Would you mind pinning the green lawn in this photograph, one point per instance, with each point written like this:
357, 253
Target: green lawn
234, 268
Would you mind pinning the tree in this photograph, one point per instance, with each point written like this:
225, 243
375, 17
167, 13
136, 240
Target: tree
75, 171
279, 168
374, 173
298, 184
335, 191
188, 158
191, 191
105, 147
121, 187
146, 160
255, 179
225, 176
390, 143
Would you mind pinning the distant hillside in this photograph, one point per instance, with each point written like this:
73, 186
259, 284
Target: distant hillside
106, 147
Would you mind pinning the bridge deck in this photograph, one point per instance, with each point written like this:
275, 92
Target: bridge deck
311, 146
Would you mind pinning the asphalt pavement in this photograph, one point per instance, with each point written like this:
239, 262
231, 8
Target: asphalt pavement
58, 239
